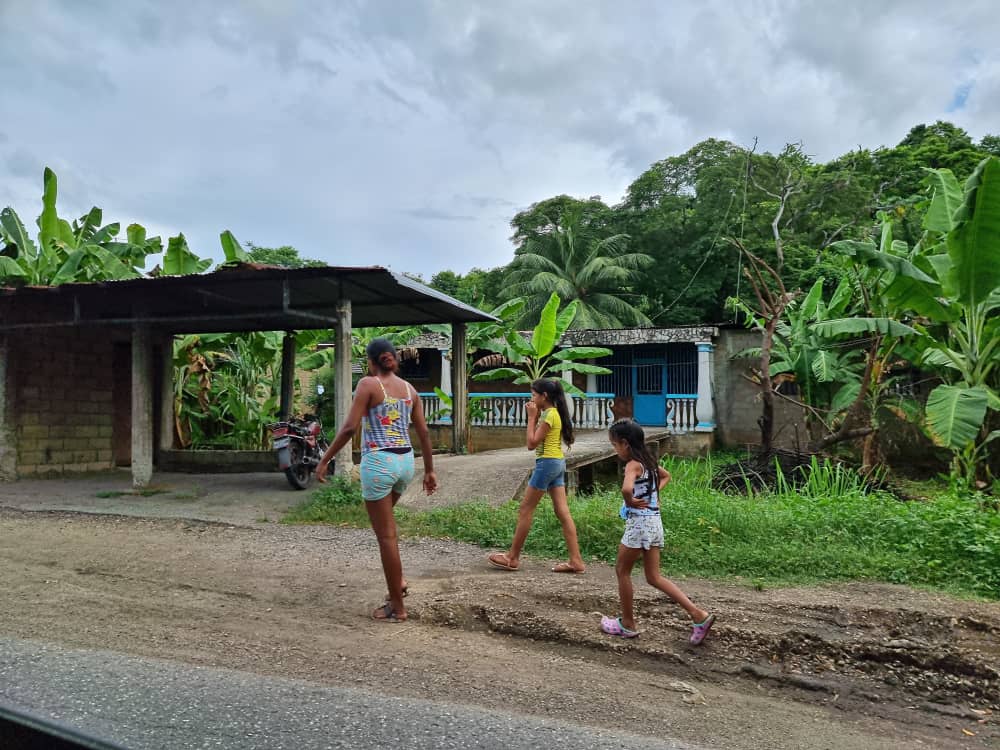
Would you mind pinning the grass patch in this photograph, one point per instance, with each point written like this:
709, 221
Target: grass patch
827, 530
144, 492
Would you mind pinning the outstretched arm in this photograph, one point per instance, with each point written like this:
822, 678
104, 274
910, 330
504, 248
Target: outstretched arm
424, 436
348, 427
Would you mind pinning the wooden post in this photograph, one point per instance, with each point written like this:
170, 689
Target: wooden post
167, 393
142, 406
342, 381
460, 390
287, 374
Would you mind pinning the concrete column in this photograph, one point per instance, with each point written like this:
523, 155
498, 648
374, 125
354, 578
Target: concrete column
446, 378
167, 393
460, 389
142, 406
567, 375
705, 408
342, 381
445, 372
594, 416
287, 374
8, 435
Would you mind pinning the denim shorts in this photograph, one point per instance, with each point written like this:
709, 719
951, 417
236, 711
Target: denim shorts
383, 473
548, 473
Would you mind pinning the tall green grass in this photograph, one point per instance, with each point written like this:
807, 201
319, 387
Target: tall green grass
828, 529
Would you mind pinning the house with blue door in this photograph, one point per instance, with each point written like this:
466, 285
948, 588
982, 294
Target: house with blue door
661, 377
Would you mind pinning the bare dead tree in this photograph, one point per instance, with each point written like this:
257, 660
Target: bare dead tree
772, 299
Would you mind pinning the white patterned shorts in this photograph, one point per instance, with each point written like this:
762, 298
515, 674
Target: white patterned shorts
643, 532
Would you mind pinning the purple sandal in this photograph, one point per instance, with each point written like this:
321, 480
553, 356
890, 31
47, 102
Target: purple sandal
613, 626
700, 630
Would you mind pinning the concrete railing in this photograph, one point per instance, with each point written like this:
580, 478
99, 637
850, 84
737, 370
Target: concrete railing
593, 411
681, 409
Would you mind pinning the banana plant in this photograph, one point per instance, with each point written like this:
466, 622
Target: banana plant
539, 358
83, 250
949, 284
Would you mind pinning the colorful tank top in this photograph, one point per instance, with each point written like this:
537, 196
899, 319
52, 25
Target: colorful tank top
387, 425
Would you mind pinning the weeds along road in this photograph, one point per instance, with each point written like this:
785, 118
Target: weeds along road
282, 613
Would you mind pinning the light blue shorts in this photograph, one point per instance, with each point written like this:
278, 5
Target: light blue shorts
548, 473
383, 473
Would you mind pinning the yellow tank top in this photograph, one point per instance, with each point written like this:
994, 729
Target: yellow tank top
551, 447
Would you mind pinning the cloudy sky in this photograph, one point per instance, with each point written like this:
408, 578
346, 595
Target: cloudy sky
408, 132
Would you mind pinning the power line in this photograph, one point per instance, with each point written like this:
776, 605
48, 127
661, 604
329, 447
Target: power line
732, 197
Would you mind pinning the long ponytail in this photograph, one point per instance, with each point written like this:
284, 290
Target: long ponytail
553, 390
631, 432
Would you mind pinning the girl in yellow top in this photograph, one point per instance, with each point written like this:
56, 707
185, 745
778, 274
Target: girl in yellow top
549, 425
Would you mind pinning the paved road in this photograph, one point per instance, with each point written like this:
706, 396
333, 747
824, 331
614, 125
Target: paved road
149, 703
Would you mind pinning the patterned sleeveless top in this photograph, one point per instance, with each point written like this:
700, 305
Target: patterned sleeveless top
387, 425
645, 488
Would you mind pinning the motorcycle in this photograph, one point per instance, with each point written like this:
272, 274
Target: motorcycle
300, 444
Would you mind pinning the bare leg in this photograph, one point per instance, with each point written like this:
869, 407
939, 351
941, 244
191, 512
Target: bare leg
524, 515
623, 569
561, 506
395, 499
651, 564
384, 525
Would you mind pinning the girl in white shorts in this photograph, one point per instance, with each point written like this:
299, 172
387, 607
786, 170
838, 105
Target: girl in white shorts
643, 537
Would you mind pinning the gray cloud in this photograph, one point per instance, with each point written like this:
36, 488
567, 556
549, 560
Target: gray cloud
434, 214
411, 132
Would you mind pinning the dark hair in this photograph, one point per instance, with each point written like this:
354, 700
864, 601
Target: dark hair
553, 390
631, 432
383, 354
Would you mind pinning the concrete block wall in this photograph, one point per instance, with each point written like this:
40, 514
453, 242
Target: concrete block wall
8, 436
60, 386
737, 400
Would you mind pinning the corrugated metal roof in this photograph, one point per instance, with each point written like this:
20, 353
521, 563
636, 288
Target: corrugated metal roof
241, 298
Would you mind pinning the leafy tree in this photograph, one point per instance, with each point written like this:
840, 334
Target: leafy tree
480, 288
580, 262
285, 256
675, 212
990, 144
448, 282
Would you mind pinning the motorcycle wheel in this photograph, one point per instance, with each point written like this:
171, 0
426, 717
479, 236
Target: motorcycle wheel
299, 474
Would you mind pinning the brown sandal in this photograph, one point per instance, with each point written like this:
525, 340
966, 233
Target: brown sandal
501, 561
565, 567
386, 613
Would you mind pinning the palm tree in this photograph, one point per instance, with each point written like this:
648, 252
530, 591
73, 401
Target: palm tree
573, 260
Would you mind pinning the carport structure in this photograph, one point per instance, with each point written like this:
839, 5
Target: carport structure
147, 313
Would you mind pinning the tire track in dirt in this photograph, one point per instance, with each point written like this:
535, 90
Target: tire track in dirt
879, 659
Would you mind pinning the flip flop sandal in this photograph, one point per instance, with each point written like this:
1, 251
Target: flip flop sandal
388, 614
501, 561
613, 626
700, 630
565, 567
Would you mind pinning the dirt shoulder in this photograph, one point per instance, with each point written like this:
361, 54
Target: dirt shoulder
855, 666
